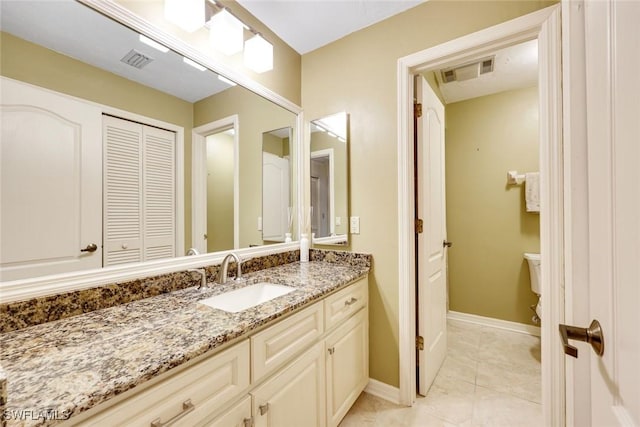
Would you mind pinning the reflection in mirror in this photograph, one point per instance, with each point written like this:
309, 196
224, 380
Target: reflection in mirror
221, 182
329, 192
277, 211
76, 69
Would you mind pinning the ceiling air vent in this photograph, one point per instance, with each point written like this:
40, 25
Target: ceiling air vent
136, 59
467, 71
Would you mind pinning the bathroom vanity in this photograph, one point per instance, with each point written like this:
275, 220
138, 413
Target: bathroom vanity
298, 359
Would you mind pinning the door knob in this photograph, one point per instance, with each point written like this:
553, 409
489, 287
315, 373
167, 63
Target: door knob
90, 248
592, 335
446, 244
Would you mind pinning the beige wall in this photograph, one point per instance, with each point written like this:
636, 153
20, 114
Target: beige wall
284, 79
220, 192
256, 115
31, 63
486, 219
357, 74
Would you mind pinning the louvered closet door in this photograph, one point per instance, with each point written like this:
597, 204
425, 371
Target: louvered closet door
122, 191
159, 193
139, 193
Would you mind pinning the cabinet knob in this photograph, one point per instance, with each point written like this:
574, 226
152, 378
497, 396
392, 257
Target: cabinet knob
263, 408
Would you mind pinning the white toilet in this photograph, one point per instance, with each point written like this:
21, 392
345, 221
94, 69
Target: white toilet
534, 273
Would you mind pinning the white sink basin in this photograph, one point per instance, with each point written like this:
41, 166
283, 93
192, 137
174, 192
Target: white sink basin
247, 297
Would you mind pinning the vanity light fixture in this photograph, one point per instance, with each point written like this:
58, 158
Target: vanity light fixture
258, 54
186, 14
194, 64
226, 33
226, 80
154, 44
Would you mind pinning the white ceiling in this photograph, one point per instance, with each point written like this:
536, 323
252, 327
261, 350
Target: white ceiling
77, 31
515, 67
306, 25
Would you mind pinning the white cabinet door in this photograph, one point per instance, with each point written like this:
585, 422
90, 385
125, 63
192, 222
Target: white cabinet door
347, 366
295, 396
51, 182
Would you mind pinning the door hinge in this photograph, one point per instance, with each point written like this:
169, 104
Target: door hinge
417, 109
419, 343
419, 225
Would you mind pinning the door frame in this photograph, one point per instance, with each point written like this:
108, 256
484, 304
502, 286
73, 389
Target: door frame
543, 25
199, 179
328, 152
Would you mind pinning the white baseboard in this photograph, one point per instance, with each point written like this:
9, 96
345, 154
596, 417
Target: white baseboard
494, 323
383, 391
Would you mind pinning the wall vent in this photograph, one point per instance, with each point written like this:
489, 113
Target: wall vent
136, 59
467, 71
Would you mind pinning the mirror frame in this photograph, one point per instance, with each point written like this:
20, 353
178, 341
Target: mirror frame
23, 289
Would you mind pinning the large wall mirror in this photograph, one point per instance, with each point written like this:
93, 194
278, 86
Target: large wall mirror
328, 177
170, 156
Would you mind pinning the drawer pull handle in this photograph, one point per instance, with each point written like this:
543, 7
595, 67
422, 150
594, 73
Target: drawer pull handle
351, 301
263, 408
332, 350
187, 407
248, 422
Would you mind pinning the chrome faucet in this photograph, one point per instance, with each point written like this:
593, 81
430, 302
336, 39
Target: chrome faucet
203, 277
222, 278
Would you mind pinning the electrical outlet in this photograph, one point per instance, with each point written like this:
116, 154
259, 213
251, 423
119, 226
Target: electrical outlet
354, 225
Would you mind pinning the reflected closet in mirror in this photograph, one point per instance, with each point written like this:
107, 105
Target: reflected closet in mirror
78, 69
328, 177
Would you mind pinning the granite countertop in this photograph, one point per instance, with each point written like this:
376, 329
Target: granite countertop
71, 365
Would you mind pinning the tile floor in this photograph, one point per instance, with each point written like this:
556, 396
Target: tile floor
490, 377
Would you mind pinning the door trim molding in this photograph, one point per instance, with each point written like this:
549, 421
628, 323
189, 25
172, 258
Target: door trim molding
328, 152
545, 26
199, 179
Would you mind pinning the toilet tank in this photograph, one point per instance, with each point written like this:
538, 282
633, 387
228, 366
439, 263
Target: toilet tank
534, 271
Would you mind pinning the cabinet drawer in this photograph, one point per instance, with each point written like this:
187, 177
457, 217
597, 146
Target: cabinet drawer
344, 303
274, 346
207, 386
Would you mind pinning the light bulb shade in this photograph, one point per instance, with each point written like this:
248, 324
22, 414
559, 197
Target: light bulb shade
186, 14
226, 33
258, 54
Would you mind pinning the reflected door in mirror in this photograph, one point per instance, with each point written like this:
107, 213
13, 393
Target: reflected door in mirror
51, 194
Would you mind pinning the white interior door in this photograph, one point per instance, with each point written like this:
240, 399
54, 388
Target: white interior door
275, 197
51, 192
431, 255
612, 42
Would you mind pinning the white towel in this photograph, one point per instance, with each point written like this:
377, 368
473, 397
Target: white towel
532, 191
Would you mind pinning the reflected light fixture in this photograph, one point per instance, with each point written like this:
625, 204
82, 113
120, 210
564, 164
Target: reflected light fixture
154, 44
258, 54
186, 14
226, 33
194, 64
226, 80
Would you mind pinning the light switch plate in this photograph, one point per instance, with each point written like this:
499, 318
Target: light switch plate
354, 225
338, 220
